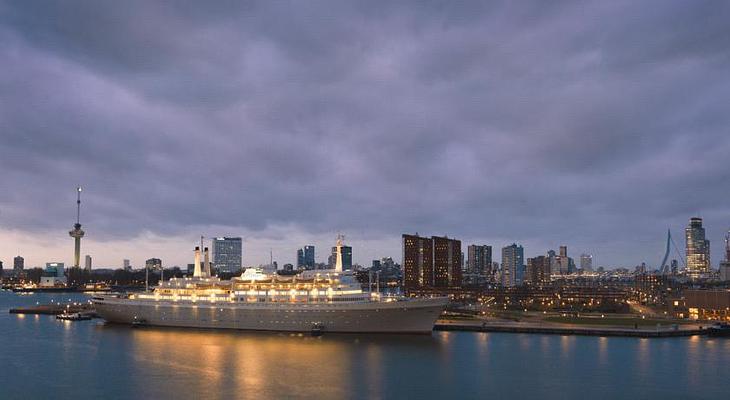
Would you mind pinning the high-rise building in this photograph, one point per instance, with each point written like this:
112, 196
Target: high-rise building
431, 262
538, 270
300, 258
18, 265
227, 254
479, 259
341, 254
87, 263
446, 262
586, 262
561, 264
309, 257
417, 262
513, 265
725, 265
697, 249
126, 265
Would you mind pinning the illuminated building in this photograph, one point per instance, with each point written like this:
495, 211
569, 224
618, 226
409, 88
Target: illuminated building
538, 270
697, 249
513, 265
725, 265
87, 263
708, 304
479, 260
446, 262
53, 275
227, 254
417, 262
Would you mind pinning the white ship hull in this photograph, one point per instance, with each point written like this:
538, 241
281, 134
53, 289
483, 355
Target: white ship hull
409, 316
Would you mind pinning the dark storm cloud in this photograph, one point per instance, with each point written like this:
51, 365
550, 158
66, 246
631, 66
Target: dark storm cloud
560, 122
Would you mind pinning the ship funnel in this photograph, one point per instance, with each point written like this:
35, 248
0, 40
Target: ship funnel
197, 272
206, 268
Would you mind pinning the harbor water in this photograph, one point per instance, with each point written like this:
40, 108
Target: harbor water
43, 358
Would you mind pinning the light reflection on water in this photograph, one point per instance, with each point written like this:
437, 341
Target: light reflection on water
122, 362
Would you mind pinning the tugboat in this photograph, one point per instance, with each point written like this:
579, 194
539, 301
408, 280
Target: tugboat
719, 329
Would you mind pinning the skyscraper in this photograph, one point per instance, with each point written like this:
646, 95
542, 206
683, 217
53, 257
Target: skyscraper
300, 258
227, 254
309, 257
479, 259
697, 249
126, 265
513, 262
87, 263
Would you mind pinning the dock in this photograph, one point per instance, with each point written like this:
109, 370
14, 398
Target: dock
557, 329
55, 309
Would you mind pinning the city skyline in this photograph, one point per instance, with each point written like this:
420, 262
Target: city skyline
286, 128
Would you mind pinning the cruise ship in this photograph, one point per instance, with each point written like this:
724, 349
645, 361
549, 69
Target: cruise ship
315, 301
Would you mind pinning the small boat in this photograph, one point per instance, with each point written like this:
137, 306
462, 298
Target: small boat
138, 322
73, 317
719, 329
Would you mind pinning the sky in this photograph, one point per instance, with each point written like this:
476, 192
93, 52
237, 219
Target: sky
597, 125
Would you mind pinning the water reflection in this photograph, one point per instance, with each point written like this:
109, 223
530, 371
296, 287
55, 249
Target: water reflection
220, 364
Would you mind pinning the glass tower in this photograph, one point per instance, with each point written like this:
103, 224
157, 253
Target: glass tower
698, 249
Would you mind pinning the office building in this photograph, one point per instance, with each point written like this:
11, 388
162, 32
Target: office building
479, 259
697, 249
227, 254
126, 265
87, 263
586, 262
309, 257
513, 265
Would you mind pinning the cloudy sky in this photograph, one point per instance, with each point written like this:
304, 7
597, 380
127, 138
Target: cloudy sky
593, 124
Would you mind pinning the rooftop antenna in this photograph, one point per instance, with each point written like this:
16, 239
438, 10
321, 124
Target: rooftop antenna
78, 205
